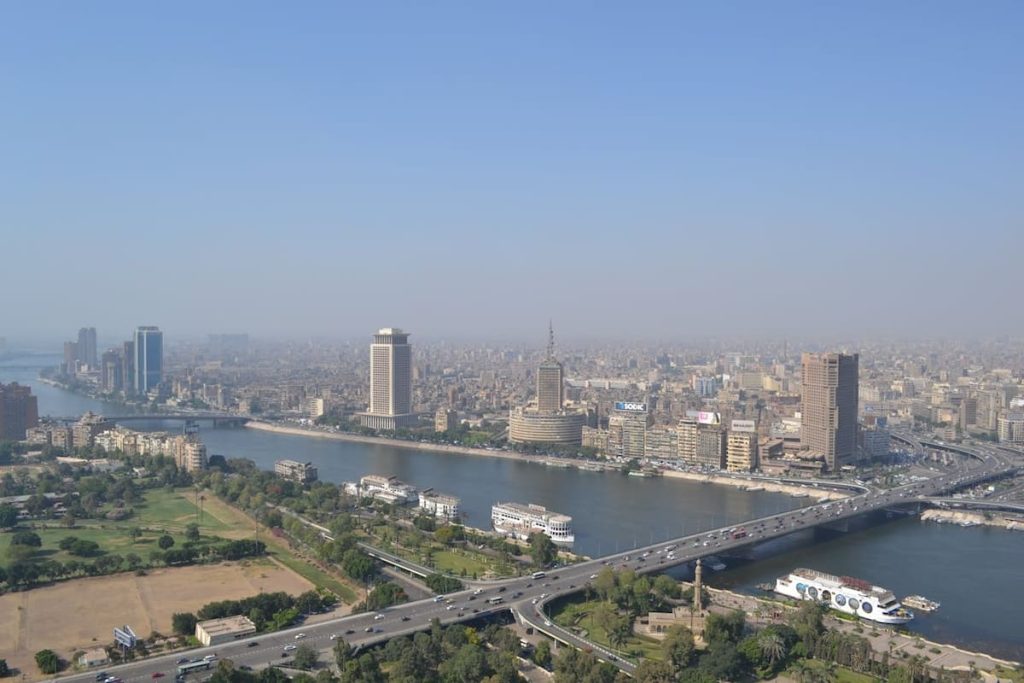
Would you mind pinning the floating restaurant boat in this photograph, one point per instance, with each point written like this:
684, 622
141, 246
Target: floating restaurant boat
844, 594
516, 519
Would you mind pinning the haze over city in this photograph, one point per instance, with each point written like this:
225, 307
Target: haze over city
451, 342
746, 169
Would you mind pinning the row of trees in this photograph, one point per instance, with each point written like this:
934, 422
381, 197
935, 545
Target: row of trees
25, 572
268, 611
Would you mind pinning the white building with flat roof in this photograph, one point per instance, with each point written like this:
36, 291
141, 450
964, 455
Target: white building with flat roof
387, 489
218, 631
519, 521
440, 504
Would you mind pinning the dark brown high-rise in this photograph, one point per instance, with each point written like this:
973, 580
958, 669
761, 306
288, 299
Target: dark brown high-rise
19, 411
828, 403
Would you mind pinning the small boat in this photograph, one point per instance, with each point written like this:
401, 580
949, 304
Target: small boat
921, 603
714, 563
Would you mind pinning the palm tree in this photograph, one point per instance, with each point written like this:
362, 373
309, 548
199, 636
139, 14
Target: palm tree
803, 671
827, 674
772, 646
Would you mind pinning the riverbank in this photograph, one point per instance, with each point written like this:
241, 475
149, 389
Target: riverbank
547, 460
775, 487
998, 520
426, 446
883, 639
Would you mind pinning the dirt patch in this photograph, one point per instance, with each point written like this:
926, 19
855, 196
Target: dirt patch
80, 614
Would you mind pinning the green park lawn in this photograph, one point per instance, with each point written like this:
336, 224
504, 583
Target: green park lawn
173, 509
579, 614
455, 562
110, 540
160, 511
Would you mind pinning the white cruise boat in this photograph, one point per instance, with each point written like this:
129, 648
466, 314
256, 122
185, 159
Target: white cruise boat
844, 594
518, 520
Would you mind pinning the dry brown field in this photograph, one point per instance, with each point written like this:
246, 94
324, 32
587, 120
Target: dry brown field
80, 614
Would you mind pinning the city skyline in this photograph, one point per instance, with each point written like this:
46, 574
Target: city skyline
280, 394
519, 169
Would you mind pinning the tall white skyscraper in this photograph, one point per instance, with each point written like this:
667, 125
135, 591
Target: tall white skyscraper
390, 381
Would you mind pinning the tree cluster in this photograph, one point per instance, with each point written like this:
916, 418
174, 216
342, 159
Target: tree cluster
268, 611
453, 654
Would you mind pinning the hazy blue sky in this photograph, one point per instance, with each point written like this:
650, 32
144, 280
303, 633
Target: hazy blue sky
628, 169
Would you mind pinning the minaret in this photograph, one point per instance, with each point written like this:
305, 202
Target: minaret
696, 606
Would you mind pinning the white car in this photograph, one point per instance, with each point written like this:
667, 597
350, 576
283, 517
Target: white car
300, 636
334, 636
289, 648
378, 617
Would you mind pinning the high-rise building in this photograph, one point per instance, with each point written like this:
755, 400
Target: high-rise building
128, 367
710, 447
87, 346
627, 429
828, 403
111, 372
550, 380
741, 447
19, 411
148, 347
70, 364
687, 441
390, 381
548, 421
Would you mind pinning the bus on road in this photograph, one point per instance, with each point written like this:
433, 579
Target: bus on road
186, 669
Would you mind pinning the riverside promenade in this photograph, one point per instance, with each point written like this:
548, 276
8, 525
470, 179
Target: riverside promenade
882, 638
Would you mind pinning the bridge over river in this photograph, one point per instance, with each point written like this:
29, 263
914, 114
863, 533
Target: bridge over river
527, 597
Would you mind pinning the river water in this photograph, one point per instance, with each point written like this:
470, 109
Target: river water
975, 573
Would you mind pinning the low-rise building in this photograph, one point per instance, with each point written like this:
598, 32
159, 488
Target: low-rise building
190, 454
1011, 428
95, 657
440, 504
445, 420
219, 631
84, 432
387, 489
302, 472
532, 426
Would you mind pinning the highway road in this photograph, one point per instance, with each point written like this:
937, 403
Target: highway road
527, 596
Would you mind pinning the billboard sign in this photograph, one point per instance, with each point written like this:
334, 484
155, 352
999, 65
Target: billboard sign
744, 426
631, 406
125, 636
706, 418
